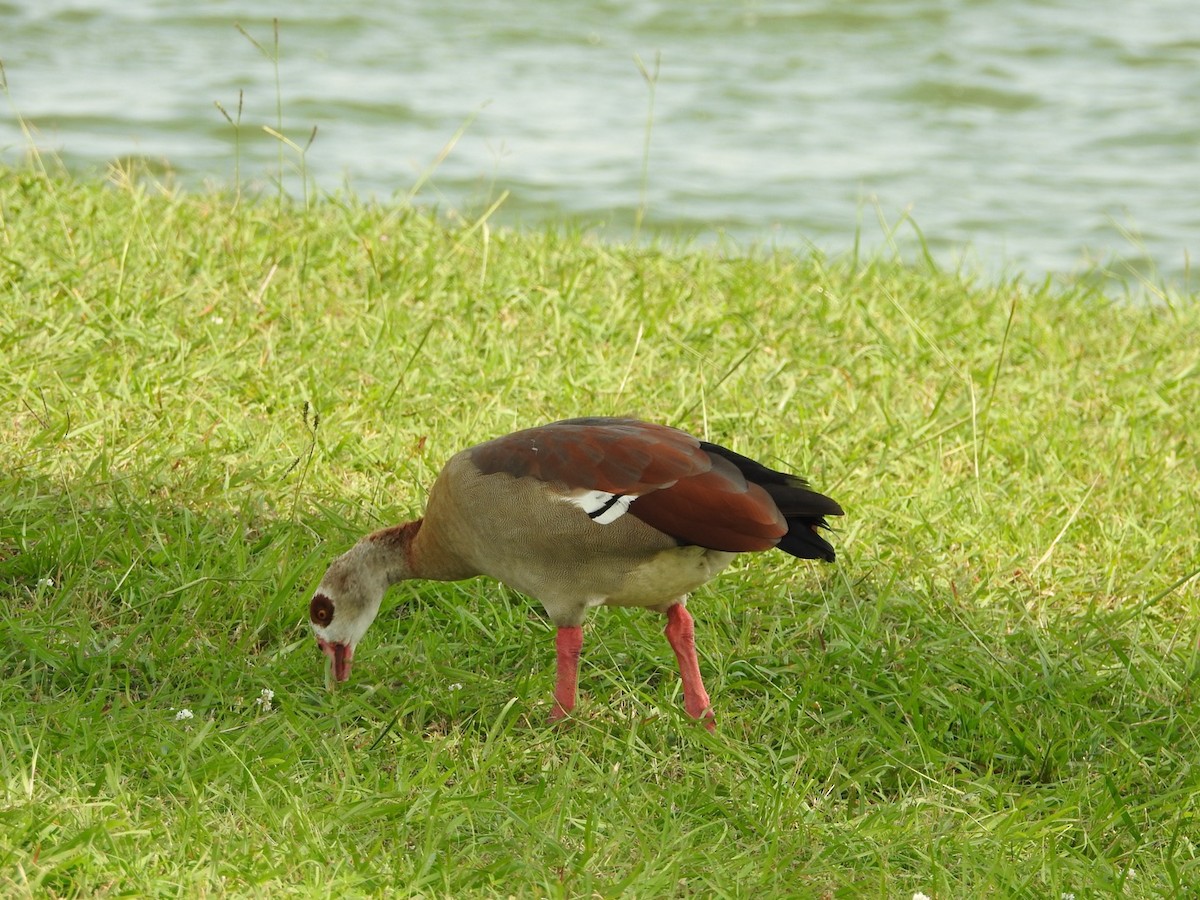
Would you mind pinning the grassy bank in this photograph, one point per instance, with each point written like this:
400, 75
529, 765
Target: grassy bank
993, 692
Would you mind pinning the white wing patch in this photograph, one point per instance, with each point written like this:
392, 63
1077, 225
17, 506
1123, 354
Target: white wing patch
603, 508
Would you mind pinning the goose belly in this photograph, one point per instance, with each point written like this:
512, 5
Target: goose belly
668, 575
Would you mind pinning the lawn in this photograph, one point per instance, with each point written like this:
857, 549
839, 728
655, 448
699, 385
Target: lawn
204, 397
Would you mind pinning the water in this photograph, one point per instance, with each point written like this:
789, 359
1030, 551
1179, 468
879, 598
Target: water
1029, 137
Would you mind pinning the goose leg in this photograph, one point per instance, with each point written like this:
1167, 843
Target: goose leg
681, 632
567, 644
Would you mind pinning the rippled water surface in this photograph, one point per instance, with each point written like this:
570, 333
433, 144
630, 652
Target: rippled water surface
1034, 137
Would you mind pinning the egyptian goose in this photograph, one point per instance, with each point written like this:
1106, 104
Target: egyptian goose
581, 513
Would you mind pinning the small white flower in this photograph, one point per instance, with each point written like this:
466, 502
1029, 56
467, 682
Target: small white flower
1068, 895
920, 895
183, 715
217, 320
44, 583
265, 698
457, 686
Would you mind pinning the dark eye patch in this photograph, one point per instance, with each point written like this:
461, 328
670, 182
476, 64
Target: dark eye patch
320, 610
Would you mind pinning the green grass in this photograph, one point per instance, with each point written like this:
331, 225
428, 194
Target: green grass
992, 693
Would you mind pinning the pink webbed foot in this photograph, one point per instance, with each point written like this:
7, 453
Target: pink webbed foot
567, 643
681, 633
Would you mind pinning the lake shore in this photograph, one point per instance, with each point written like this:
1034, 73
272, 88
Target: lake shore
1031, 139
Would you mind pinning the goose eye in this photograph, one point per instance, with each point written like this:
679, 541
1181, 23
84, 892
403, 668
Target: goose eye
320, 610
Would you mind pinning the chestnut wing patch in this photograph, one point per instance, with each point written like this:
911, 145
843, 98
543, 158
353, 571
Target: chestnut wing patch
617, 456
718, 509
661, 475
